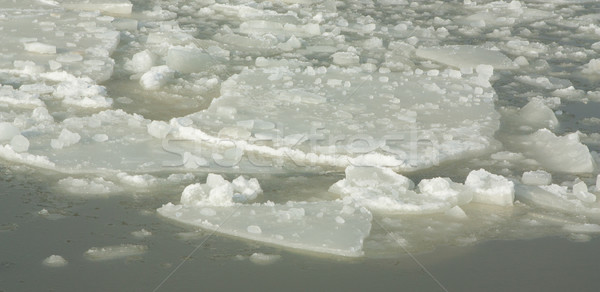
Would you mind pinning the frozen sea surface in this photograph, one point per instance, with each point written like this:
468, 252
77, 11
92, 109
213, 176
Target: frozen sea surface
354, 129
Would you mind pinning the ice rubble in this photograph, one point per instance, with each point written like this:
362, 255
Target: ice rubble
384, 191
333, 227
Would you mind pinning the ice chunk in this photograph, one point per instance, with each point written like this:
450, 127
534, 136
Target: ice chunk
219, 192
345, 58
310, 226
65, 139
557, 198
156, 77
537, 115
40, 48
536, 178
158, 129
143, 233
141, 62
109, 6
490, 188
19, 143
8, 131
264, 259
115, 252
564, 153
83, 186
55, 261
383, 190
456, 212
544, 82
189, 60
316, 231
580, 190
466, 56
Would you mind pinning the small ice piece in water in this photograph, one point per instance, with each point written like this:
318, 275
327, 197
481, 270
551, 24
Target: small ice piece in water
219, 192
254, 229
490, 188
55, 261
264, 259
141, 233
536, 178
538, 115
66, 138
156, 77
345, 58
115, 252
95, 186
141, 62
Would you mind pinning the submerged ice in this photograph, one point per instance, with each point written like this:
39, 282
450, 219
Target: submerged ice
427, 123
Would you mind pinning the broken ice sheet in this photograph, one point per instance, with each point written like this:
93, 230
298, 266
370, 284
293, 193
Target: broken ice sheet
405, 121
328, 227
466, 57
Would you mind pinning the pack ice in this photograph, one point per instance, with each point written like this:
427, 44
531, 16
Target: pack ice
121, 100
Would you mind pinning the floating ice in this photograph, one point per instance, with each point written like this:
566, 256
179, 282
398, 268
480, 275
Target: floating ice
83, 186
298, 225
156, 77
143, 233
55, 261
536, 178
490, 188
383, 190
264, 259
466, 57
115, 252
564, 153
110, 6
349, 117
537, 115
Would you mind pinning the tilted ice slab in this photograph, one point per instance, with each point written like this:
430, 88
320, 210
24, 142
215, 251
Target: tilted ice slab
336, 117
330, 227
466, 57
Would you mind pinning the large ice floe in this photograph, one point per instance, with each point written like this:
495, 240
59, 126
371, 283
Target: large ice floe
417, 123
